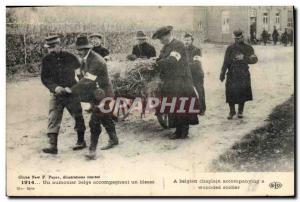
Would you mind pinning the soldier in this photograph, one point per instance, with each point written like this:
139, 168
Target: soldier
57, 74
176, 79
284, 37
265, 36
194, 60
238, 83
291, 36
143, 49
96, 41
275, 35
95, 77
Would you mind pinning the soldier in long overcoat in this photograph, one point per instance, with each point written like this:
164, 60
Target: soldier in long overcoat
176, 79
194, 61
94, 78
275, 35
236, 69
284, 37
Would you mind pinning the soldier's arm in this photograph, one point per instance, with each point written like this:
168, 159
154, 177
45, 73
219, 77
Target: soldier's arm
251, 58
174, 57
47, 77
226, 64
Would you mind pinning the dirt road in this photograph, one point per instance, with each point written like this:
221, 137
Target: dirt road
144, 147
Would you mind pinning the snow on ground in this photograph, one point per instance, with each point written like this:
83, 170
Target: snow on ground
144, 147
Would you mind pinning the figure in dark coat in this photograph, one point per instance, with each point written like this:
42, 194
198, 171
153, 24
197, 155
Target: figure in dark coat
57, 74
235, 66
265, 37
284, 37
143, 49
94, 80
96, 41
275, 36
291, 37
176, 80
194, 61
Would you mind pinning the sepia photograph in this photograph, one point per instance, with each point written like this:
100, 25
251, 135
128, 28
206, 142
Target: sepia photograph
152, 101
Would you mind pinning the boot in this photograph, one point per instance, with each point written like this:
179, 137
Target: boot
113, 140
231, 115
176, 134
81, 144
240, 115
53, 144
184, 132
92, 155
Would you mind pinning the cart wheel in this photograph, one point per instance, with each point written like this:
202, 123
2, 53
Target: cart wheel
122, 113
163, 120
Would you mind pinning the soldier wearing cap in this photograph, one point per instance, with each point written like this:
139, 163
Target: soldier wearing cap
94, 80
238, 83
96, 41
143, 49
176, 79
194, 60
58, 75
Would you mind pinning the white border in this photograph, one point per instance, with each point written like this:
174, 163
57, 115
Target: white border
3, 4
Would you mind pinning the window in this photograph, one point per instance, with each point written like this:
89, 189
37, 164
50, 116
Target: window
290, 19
225, 22
266, 21
200, 25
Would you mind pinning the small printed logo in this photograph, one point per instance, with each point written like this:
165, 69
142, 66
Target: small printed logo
275, 185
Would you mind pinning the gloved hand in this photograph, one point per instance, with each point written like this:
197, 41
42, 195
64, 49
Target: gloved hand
60, 90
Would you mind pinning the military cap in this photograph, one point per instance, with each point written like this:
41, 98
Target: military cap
82, 42
96, 35
162, 32
238, 33
140, 35
186, 35
51, 40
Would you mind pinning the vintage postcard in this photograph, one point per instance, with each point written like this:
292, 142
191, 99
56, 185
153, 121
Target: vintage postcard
150, 101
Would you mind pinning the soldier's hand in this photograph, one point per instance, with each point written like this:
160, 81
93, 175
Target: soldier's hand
60, 90
68, 90
222, 78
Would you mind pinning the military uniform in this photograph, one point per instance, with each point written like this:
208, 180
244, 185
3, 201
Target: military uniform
275, 36
101, 51
95, 76
194, 61
238, 81
58, 69
177, 82
144, 50
265, 37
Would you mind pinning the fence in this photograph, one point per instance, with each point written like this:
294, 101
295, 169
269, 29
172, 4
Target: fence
24, 42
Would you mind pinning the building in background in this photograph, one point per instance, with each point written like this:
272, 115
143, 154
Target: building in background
220, 21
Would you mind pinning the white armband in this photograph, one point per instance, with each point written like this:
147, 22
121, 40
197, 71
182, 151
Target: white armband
90, 76
77, 71
197, 58
176, 55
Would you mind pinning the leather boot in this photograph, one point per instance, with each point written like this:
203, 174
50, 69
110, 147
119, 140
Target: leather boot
113, 140
53, 144
184, 132
176, 134
81, 144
